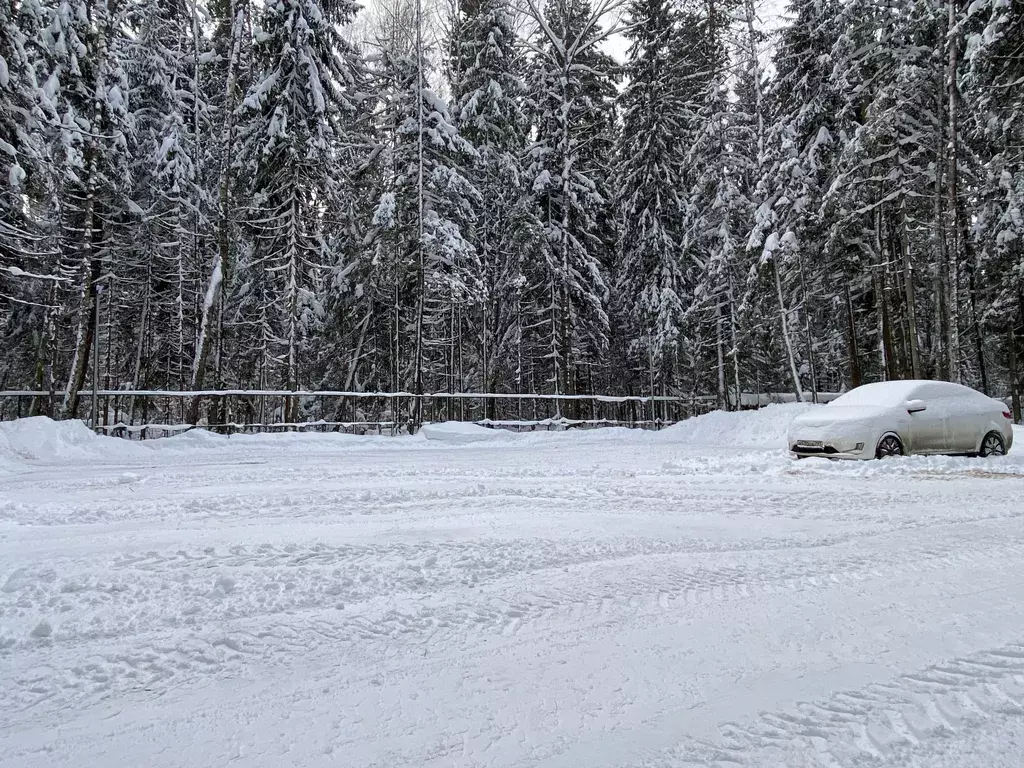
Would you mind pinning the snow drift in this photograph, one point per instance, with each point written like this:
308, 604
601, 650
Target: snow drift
763, 428
462, 433
39, 438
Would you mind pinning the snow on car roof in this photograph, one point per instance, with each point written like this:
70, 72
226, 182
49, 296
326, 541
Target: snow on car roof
886, 392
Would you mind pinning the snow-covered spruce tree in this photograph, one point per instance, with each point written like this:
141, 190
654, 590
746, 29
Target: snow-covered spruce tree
292, 125
884, 229
651, 287
167, 190
748, 313
489, 95
995, 62
806, 116
223, 75
86, 91
717, 216
26, 264
572, 85
346, 358
425, 208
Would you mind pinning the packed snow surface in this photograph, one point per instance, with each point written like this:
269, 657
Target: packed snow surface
471, 598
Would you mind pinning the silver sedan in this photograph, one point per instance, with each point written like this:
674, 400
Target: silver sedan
897, 418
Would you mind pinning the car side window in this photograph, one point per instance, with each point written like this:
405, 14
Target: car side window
929, 392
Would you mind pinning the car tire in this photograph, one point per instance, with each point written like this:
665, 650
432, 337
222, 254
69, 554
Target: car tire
890, 445
992, 445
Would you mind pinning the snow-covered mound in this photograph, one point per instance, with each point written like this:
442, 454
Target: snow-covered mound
462, 433
765, 427
42, 439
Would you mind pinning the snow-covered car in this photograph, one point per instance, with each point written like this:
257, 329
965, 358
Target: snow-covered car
897, 418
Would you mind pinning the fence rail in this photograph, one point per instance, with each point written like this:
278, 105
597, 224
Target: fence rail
146, 413
340, 393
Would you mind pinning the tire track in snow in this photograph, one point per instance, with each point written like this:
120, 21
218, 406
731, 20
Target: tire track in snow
879, 725
228, 628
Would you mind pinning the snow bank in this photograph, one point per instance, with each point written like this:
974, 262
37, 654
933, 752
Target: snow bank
763, 428
42, 439
462, 433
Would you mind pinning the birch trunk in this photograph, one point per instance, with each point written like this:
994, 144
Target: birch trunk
783, 312
221, 271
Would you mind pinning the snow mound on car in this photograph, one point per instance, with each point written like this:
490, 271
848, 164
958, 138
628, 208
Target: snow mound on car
763, 428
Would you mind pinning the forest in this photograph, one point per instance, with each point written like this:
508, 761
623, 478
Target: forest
478, 196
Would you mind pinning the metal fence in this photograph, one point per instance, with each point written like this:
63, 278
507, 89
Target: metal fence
149, 413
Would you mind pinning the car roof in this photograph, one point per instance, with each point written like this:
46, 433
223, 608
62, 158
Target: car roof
909, 388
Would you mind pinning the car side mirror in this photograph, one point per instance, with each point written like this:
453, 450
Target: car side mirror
916, 406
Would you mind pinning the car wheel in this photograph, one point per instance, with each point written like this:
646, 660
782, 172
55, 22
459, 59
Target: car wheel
888, 447
993, 445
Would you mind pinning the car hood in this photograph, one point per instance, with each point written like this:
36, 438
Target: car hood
839, 414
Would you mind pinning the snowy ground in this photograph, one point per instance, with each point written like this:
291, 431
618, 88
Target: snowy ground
688, 598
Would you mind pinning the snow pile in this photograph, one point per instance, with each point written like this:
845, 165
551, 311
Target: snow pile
918, 467
763, 428
462, 433
42, 439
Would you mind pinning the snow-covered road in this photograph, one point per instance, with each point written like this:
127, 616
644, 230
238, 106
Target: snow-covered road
687, 598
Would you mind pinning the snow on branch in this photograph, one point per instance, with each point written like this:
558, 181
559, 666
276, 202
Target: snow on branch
16, 272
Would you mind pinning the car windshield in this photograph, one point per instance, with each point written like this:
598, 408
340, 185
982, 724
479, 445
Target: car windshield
887, 393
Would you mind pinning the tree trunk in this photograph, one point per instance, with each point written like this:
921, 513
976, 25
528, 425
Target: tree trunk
89, 265
807, 329
970, 263
84, 336
221, 272
855, 373
735, 348
140, 345
941, 276
46, 351
783, 312
908, 289
719, 348
1014, 372
417, 417
953, 253
881, 303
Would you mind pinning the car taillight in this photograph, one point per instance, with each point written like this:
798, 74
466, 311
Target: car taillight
1007, 415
